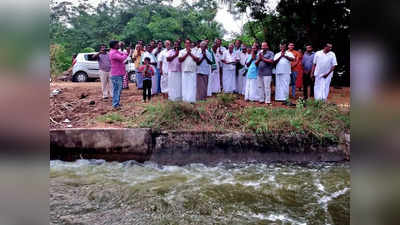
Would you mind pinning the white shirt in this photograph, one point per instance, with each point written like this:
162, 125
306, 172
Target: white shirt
223, 49
162, 57
228, 57
243, 58
195, 50
147, 54
154, 54
188, 65
204, 67
283, 66
324, 62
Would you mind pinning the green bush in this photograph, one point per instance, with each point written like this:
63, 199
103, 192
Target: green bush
314, 117
88, 50
226, 99
171, 115
60, 60
112, 118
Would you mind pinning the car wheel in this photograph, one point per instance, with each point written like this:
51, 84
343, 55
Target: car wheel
132, 76
80, 77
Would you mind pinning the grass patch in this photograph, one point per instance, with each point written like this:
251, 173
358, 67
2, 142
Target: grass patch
169, 115
226, 99
316, 118
111, 118
322, 120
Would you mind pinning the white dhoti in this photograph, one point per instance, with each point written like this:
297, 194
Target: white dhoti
214, 83
175, 86
241, 81
164, 83
228, 80
321, 87
154, 81
189, 86
264, 88
282, 86
209, 86
251, 90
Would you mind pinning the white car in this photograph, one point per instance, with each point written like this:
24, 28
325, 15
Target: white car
87, 68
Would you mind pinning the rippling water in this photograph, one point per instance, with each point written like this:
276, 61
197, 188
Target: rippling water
98, 192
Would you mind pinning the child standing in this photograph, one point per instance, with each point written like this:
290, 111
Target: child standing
147, 71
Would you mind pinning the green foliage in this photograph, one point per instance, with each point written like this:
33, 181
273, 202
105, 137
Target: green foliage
60, 60
226, 99
88, 49
83, 25
171, 115
111, 118
301, 22
316, 118
313, 117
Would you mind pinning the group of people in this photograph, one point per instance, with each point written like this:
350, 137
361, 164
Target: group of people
197, 71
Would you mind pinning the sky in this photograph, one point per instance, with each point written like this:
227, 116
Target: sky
223, 17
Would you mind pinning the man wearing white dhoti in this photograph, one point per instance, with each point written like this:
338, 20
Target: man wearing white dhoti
174, 74
229, 60
214, 83
162, 59
283, 70
265, 64
188, 61
220, 51
241, 78
251, 82
323, 66
153, 62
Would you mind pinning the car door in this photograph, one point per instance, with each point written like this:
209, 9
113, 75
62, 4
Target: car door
92, 66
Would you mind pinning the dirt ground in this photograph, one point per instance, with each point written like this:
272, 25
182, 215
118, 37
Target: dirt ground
79, 104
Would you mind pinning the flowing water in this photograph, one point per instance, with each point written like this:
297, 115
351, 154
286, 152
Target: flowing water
97, 192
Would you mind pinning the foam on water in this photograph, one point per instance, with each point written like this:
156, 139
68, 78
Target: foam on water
273, 192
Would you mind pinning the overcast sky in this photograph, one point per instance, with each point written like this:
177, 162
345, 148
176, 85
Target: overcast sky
223, 17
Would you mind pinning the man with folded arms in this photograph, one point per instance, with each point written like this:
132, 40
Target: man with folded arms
188, 62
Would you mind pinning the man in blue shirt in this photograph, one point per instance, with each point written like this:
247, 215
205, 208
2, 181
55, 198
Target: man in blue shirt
307, 63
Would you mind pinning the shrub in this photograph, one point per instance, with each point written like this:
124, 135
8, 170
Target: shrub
111, 118
60, 60
171, 115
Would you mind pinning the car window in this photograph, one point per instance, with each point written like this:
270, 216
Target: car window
89, 57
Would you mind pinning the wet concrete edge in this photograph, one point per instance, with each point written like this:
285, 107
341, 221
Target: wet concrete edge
183, 147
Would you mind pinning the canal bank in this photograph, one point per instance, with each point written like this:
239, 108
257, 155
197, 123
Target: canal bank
184, 147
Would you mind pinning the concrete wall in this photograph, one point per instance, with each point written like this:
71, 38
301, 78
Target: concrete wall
180, 147
110, 144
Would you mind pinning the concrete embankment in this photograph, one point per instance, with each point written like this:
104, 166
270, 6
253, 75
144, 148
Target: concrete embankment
182, 147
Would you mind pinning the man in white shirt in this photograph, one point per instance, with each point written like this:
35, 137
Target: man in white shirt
162, 60
203, 70
214, 83
153, 62
189, 67
158, 50
283, 69
241, 78
323, 66
174, 74
220, 51
229, 60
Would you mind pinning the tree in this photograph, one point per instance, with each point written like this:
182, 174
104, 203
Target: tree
301, 22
